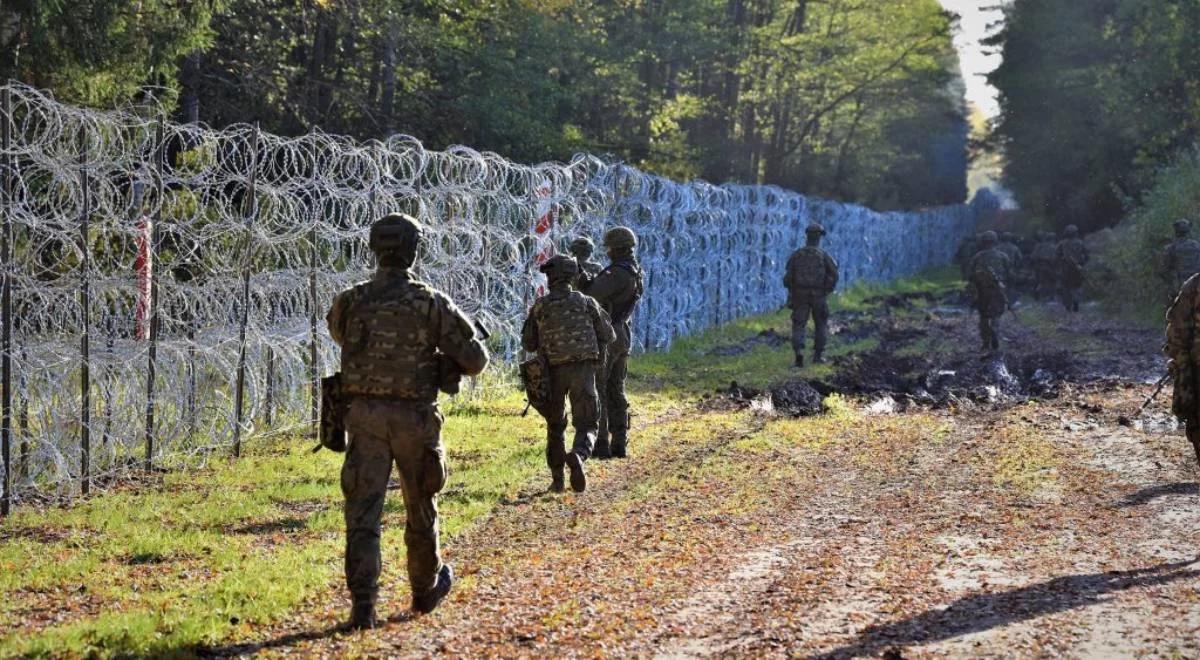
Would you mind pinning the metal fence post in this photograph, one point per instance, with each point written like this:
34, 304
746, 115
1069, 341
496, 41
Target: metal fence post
85, 305
314, 368
251, 208
160, 154
6, 303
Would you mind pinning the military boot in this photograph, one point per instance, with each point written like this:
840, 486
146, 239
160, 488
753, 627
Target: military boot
556, 480
362, 616
428, 601
618, 443
578, 476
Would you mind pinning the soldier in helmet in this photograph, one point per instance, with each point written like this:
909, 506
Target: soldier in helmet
398, 336
1007, 244
810, 277
986, 285
617, 288
1072, 257
581, 248
1183, 323
1180, 260
572, 333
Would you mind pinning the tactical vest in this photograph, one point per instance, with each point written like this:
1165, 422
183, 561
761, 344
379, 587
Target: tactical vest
1185, 258
988, 270
622, 309
808, 269
389, 350
565, 330
1073, 250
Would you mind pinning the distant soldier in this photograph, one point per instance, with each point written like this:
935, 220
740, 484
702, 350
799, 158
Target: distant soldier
1180, 260
1045, 265
617, 288
968, 246
581, 248
1016, 267
572, 334
399, 339
1183, 320
1072, 257
810, 277
986, 286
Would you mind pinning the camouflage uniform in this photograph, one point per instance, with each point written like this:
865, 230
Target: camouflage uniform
617, 288
395, 334
1072, 257
1180, 260
989, 270
582, 248
1016, 260
572, 333
1045, 266
811, 275
1183, 351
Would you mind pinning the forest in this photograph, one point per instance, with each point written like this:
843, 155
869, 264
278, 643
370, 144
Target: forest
850, 100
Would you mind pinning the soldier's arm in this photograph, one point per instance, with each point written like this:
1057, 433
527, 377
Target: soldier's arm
603, 325
336, 318
607, 286
787, 272
529, 334
831, 272
457, 337
1181, 324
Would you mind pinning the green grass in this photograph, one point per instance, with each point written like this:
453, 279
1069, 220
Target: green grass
210, 553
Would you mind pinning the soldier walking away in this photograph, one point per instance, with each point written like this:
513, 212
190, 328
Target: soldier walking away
810, 277
1180, 260
617, 288
1183, 320
1072, 257
581, 248
401, 340
572, 334
986, 287
1016, 261
1045, 266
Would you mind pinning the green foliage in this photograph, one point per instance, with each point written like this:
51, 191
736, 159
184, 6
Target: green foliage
1095, 96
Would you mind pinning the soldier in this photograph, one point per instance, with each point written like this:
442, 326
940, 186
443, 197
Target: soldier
810, 277
989, 272
400, 341
1045, 265
1072, 257
1016, 260
572, 333
617, 288
1183, 319
1180, 259
581, 248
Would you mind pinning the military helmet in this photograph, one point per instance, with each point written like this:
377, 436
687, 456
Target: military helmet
815, 229
559, 266
1071, 230
1182, 227
582, 244
395, 231
620, 237
988, 238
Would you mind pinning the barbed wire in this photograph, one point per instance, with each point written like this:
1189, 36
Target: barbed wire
180, 218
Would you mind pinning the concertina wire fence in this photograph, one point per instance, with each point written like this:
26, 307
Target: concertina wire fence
165, 284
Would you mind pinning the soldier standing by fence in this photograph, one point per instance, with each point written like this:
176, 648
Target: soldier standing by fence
1072, 257
810, 277
399, 339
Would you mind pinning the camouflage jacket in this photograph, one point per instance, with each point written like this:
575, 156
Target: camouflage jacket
810, 269
1045, 254
1183, 347
393, 331
567, 326
618, 289
1180, 260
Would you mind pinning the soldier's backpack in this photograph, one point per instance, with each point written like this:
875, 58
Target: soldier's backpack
535, 378
808, 270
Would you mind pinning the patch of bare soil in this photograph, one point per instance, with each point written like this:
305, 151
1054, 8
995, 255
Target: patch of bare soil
768, 338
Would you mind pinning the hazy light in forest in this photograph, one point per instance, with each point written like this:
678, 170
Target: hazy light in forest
979, 20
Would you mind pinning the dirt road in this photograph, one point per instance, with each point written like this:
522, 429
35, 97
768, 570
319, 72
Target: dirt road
941, 506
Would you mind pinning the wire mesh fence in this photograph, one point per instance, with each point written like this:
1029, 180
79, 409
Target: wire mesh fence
165, 285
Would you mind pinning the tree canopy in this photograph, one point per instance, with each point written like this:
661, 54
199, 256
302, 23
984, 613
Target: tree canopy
1096, 97
851, 99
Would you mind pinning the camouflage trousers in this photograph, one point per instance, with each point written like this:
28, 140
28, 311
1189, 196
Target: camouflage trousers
804, 305
407, 434
576, 382
989, 331
614, 404
1193, 436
